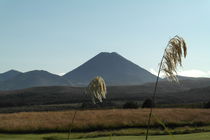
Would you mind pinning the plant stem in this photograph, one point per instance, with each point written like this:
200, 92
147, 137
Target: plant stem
153, 98
72, 121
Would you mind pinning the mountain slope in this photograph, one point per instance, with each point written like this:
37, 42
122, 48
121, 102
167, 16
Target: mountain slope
179, 77
33, 79
166, 94
8, 75
115, 69
185, 83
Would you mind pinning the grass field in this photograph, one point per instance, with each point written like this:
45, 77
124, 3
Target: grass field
122, 124
91, 120
56, 136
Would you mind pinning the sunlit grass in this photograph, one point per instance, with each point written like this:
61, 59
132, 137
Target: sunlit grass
91, 120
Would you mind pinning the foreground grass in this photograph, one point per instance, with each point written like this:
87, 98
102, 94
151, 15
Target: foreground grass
55, 136
91, 120
138, 132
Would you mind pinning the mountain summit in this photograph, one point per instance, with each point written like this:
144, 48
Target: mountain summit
8, 75
115, 69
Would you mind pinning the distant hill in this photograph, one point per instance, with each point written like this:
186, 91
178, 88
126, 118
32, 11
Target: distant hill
179, 77
188, 78
40, 96
189, 91
33, 79
8, 75
194, 95
185, 83
115, 69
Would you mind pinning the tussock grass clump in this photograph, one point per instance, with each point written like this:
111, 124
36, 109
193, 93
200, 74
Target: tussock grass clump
172, 56
97, 89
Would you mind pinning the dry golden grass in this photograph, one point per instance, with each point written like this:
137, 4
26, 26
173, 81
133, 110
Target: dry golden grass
99, 119
174, 51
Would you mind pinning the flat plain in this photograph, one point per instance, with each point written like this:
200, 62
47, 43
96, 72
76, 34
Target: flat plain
63, 136
95, 120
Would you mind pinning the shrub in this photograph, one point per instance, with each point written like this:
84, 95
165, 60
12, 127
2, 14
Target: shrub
207, 105
51, 138
131, 105
147, 103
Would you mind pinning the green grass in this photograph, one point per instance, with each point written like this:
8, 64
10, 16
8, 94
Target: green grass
62, 136
196, 136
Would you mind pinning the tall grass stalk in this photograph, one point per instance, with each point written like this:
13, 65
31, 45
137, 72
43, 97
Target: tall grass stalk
71, 125
172, 57
97, 91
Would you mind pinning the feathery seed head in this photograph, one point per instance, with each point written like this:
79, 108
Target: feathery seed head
175, 50
97, 89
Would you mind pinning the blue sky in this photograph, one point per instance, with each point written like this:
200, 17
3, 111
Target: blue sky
59, 35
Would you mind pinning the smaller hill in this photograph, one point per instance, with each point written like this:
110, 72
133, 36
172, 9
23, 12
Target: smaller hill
8, 75
33, 79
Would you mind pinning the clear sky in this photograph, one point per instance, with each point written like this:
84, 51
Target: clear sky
59, 35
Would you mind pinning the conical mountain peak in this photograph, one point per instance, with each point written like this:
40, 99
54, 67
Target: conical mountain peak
115, 69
